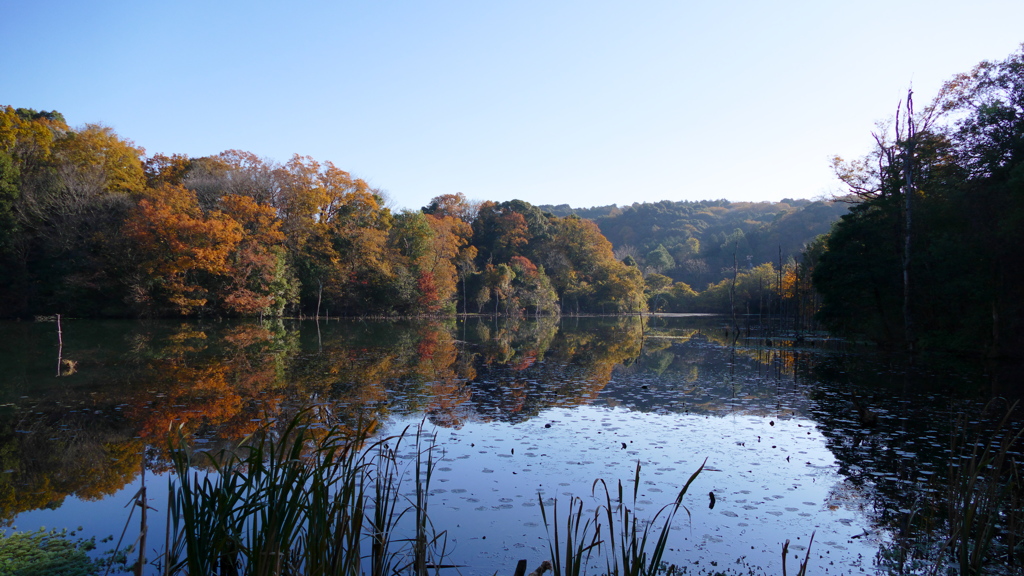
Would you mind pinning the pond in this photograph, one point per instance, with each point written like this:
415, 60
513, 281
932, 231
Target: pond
798, 437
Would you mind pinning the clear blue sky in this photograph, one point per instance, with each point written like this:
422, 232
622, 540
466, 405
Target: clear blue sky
584, 102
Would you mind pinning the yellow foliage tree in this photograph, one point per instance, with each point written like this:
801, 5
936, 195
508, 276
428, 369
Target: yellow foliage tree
98, 150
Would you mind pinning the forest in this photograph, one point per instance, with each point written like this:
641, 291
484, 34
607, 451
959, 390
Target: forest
703, 238
90, 226
921, 253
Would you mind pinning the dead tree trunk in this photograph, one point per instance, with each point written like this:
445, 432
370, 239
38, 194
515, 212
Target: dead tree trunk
908, 196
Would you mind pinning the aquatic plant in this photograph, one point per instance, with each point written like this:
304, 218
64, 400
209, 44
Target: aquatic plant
983, 496
630, 546
974, 523
297, 502
306, 499
572, 548
46, 553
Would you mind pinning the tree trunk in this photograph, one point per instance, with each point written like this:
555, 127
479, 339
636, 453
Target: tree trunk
732, 292
60, 344
319, 297
908, 195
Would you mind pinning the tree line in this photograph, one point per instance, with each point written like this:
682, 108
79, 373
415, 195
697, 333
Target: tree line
91, 226
928, 257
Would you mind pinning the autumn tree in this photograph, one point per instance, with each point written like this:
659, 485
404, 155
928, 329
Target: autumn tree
499, 232
179, 251
259, 279
26, 142
448, 250
584, 270
452, 205
234, 172
74, 187
164, 169
336, 229
92, 227
28, 136
97, 156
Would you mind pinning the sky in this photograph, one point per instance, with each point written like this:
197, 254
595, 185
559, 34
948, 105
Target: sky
579, 102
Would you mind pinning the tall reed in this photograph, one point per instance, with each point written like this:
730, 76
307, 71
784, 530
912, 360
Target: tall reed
318, 502
630, 546
577, 539
299, 501
983, 495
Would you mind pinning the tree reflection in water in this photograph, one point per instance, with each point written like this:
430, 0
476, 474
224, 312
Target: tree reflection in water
86, 435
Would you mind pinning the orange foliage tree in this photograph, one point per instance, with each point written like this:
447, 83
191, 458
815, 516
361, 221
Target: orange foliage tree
258, 279
178, 249
451, 240
336, 229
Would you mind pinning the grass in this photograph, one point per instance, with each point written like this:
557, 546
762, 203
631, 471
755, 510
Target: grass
627, 544
636, 547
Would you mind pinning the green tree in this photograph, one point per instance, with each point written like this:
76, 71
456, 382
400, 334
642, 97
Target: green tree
531, 288
929, 253
498, 280
660, 260
681, 296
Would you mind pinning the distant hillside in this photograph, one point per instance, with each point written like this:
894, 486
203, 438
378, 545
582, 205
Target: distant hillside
592, 213
701, 238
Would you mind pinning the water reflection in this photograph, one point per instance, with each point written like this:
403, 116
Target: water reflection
801, 435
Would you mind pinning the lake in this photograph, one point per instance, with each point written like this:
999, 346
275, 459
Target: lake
798, 436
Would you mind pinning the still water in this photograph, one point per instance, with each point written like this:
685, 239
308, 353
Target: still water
797, 437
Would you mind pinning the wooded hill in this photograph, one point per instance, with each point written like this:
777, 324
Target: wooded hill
698, 243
